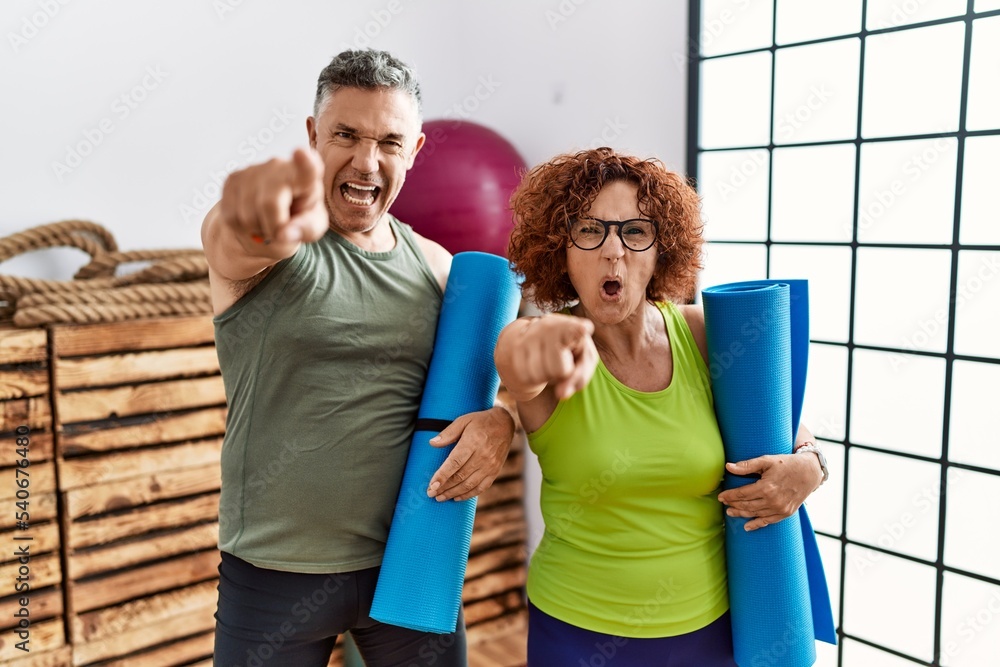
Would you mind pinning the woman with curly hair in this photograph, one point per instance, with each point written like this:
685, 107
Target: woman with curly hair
614, 393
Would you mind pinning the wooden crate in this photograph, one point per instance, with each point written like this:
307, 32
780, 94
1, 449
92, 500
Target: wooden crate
140, 414
125, 481
25, 403
493, 594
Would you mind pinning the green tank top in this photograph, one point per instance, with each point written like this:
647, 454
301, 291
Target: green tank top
633, 543
324, 364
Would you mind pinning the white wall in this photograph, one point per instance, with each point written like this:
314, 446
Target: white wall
564, 73
202, 78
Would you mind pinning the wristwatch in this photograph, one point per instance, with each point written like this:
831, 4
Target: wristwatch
811, 447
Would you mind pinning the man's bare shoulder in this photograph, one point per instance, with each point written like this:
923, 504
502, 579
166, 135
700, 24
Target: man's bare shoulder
437, 257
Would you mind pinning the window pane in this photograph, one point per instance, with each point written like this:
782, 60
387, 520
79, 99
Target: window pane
977, 310
901, 298
984, 94
980, 194
891, 13
828, 269
969, 544
813, 193
889, 601
812, 19
970, 635
816, 92
829, 551
729, 262
987, 5
856, 653
974, 437
826, 504
907, 191
733, 186
897, 402
736, 101
728, 26
913, 81
824, 408
894, 503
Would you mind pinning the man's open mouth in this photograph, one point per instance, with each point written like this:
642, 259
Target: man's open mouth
360, 195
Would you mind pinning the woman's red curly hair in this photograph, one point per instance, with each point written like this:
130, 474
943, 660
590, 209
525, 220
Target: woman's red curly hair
565, 187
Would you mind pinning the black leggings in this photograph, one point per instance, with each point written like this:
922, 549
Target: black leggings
268, 618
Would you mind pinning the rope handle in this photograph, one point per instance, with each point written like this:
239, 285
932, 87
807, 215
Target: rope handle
175, 282
90, 237
106, 264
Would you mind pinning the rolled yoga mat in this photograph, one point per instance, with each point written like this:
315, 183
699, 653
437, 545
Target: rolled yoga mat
423, 570
758, 345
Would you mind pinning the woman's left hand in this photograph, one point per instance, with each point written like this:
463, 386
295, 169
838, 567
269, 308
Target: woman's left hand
785, 482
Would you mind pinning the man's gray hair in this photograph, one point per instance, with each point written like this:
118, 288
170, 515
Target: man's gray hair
367, 69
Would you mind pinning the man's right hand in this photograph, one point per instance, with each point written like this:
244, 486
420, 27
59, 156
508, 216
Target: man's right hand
277, 202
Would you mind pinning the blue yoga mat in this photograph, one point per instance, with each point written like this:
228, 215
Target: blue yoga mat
758, 345
423, 570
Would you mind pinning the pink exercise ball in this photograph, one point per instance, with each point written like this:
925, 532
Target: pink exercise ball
458, 191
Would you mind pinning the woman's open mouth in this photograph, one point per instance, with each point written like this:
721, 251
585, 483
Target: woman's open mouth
611, 290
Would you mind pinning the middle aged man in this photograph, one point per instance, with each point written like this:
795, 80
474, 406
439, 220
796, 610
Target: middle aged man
326, 308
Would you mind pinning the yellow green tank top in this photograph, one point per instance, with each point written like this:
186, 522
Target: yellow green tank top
633, 542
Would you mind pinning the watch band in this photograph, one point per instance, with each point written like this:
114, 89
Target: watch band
811, 447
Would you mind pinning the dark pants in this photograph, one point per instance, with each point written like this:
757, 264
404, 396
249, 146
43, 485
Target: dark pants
268, 618
553, 643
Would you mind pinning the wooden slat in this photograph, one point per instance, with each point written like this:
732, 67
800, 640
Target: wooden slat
134, 367
185, 625
494, 583
45, 636
18, 346
495, 559
140, 550
146, 334
136, 614
60, 657
44, 539
44, 603
35, 413
45, 570
178, 653
142, 520
498, 515
498, 526
41, 480
42, 508
105, 468
140, 399
498, 605
504, 491
23, 382
141, 581
157, 430
511, 624
90, 500
512, 467
39, 445
500, 651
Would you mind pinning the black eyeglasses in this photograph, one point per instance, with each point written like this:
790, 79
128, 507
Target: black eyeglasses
637, 234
